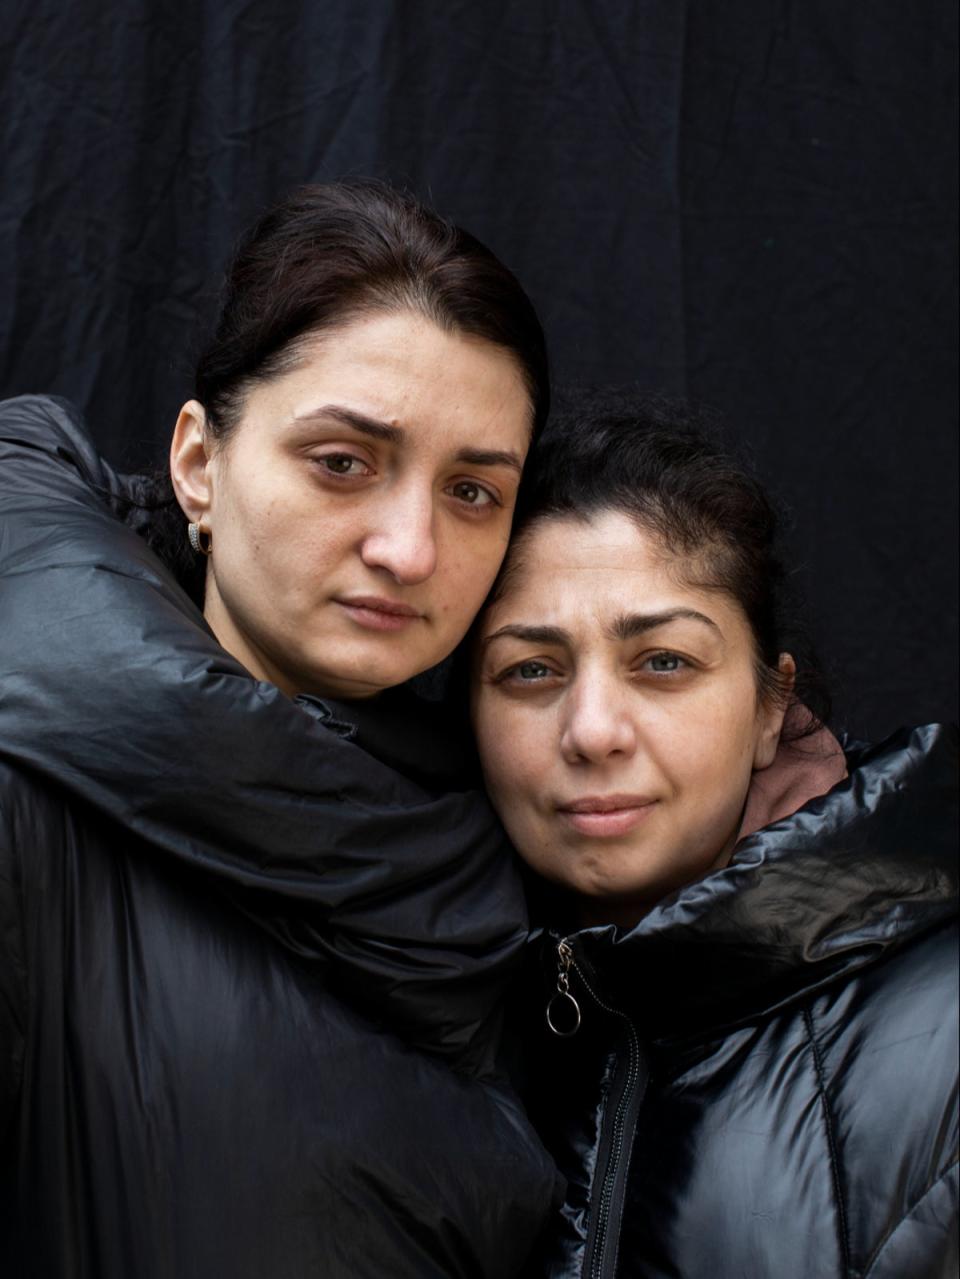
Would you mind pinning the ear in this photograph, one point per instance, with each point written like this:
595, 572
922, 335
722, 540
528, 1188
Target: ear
771, 715
190, 462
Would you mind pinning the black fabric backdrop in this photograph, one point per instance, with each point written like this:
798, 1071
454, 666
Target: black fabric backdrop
752, 202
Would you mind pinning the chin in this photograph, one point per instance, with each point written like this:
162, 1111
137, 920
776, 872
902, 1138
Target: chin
361, 676
350, 687
382, 664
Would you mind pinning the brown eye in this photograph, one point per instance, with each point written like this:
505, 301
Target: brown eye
339, 463
347, 465
471, 493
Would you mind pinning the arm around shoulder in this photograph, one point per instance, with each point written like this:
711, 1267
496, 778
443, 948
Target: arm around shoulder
115, 692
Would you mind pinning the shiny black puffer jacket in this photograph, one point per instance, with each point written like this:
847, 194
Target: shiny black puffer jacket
764, 1082
250, 963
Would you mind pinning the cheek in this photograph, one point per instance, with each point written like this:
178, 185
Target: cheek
501, 741
246, 508
467, 567
258, 551
709, 758
488, 730
277, 543
516, 767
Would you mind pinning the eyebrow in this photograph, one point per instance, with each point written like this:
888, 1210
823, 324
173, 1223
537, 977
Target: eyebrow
630, 625
627, 626
490, 457
356, 421
396, 435
532, 634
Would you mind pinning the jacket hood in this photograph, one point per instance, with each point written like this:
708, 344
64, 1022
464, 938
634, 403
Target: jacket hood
815, 895
804, 767
115, 691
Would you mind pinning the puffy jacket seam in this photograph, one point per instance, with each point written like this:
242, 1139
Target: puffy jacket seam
888, 1237
831, 1141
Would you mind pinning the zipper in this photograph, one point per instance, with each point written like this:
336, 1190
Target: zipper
604, 1237
562, 1003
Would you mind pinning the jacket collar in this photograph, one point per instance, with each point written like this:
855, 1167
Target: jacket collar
815, 895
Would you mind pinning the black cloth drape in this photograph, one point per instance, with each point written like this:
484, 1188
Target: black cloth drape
750, 202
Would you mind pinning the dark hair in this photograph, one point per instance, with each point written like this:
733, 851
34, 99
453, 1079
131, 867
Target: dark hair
661, 463
328, 254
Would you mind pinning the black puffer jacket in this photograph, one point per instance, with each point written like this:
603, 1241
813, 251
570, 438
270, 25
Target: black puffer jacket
250, 966
764, 1083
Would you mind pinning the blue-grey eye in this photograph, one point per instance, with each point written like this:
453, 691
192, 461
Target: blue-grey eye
532, 670
665, 662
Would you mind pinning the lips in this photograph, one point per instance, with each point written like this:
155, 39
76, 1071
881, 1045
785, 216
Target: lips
377, 614
605, 816
378, 605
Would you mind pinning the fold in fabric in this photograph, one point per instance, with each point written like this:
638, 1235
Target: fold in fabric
114, 690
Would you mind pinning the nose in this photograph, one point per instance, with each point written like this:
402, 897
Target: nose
403, 540
596, 722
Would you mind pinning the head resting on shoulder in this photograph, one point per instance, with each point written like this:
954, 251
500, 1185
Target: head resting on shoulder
351, 455
636, 658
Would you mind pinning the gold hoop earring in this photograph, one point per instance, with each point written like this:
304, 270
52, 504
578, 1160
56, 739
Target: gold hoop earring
201, 539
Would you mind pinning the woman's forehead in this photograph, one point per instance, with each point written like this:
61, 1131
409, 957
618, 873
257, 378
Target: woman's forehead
403, 379
605, 563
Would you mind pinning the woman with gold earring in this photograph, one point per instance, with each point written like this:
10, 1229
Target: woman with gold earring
256, 917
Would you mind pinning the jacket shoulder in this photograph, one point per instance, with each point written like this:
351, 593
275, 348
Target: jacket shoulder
886, 1048
52, 426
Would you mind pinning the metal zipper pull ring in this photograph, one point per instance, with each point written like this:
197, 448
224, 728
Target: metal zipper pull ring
563, 996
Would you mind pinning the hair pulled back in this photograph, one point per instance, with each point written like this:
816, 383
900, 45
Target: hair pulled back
659, 462
322, 257
328, 254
